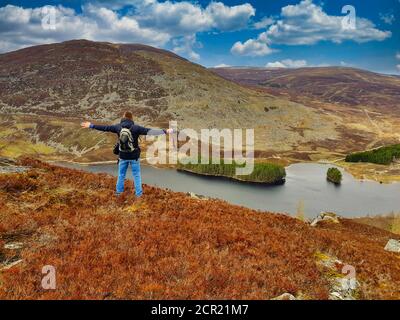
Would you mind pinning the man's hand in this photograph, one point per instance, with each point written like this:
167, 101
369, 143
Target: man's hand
85, 125
169, 131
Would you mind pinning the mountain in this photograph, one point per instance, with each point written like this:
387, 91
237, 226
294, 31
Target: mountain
101, 80
171, 246
47, 90
331, 85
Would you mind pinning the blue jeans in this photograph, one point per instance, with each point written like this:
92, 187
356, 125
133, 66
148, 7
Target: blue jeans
137, 178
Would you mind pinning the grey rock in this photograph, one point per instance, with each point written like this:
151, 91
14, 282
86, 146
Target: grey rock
341, 285
285, 296
343, 289
196, 196
325, 216
393, 246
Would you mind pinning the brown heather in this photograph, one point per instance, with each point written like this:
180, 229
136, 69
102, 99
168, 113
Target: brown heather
168, 245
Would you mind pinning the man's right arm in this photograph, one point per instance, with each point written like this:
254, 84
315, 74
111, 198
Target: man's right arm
89, 125
113, 129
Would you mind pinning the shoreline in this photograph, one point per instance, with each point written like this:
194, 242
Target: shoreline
370, 172
234, 179
205, 180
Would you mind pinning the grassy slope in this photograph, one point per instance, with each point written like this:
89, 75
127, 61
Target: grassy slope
337, 85
389, 222
168, 245
52, 138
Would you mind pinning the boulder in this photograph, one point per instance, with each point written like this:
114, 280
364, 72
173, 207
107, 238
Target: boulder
196, 196
393, 246
325, 217
343, 288
285, 296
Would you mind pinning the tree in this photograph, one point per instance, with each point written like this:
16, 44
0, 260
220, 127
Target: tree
334, 175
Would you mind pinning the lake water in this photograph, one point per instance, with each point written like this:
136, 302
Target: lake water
306, 186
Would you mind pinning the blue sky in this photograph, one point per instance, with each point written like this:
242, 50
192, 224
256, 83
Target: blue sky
270, 33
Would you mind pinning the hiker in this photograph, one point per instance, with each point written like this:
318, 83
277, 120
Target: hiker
128, 148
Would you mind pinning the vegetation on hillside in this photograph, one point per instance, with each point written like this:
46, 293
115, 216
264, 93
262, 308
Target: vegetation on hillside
334, 175
268, 173
344, 86
383, 155
389, 222
168, 245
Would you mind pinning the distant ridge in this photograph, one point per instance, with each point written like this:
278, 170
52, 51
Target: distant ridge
339, 85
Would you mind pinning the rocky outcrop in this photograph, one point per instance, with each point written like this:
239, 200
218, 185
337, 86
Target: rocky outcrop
393, 246
343, 284
197, 196
285, 296
325, 217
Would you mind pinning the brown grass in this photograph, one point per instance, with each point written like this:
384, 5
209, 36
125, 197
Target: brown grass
386, 222
168, 245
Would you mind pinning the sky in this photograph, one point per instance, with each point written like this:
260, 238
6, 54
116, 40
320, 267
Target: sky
263, 33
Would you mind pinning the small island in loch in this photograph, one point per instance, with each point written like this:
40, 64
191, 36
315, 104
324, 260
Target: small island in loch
263, 173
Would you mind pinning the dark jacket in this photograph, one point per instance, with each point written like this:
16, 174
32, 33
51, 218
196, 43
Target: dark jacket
136, 131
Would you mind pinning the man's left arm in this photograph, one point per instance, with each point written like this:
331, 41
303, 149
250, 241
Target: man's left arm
152, 132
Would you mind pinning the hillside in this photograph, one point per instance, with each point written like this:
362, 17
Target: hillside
45, 91
171, 246
345, 87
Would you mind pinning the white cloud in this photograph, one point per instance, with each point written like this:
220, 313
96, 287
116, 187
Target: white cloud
398, 54
398, 67
387, 18
306, 24
183, 18
21, 27
263, 23
150, 22
186, 16
222, 65
226, 18
252, 48
287, 63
